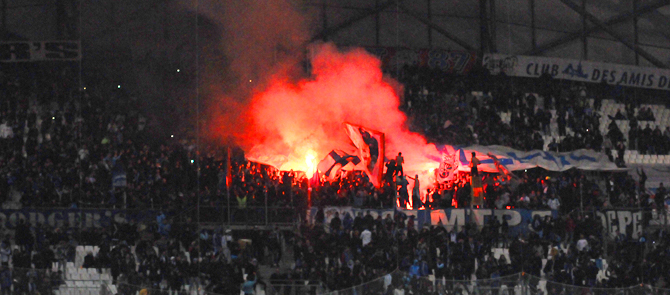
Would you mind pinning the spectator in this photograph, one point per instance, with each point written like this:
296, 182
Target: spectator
366, 237
582, 244
399, 161
249, 286
5, 253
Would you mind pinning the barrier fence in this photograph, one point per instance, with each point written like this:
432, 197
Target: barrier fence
400, 282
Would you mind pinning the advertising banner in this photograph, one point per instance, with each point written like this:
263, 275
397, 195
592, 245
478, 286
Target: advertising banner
628, 222
84, 218
29, 51
577, 70
452, 219
450, 61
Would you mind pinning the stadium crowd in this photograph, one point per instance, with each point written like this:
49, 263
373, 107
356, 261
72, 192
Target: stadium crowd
64, 147
444, 108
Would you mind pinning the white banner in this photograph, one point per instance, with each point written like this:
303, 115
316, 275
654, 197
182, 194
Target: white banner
515, 160
25, 51
577, 70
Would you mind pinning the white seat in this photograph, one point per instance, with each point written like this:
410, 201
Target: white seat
106, 277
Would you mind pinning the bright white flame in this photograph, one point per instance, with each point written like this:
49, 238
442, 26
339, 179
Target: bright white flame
310, 160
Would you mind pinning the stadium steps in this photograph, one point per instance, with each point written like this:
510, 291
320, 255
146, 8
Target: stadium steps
609, 108
83, 281
265, 271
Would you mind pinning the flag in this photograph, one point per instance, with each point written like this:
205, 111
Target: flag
370, 149
502, 169
335, 161
448, 168
118, 176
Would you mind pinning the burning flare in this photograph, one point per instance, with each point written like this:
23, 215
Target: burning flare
293, 125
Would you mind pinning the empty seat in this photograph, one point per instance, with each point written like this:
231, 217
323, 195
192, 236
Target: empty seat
106, 277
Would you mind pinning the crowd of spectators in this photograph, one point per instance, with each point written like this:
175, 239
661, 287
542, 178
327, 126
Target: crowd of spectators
94, 148
343, 254
443, 107
62, 146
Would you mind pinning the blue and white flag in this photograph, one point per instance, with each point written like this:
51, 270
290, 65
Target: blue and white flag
118, 176
336, 161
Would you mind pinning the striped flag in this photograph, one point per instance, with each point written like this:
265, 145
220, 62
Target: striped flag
370, 146
335, 161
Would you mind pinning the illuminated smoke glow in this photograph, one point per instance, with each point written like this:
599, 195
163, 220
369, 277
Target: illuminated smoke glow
282, 120
289, 119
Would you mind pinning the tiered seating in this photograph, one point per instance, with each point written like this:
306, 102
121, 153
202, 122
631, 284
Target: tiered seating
82, 251
85, 281
609, 108
662, 120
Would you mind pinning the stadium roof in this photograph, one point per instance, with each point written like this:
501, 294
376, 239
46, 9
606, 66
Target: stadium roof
617, 31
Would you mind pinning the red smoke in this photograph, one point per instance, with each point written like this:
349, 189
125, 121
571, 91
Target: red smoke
287, 120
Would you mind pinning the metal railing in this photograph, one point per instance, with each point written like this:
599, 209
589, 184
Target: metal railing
517, 284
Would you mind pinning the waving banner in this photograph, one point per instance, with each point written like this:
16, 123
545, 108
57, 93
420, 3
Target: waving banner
514, 160
370, 147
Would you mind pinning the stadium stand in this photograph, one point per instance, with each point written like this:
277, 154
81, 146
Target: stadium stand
59, 151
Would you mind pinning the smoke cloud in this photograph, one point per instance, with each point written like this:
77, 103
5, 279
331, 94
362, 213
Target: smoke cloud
283, 114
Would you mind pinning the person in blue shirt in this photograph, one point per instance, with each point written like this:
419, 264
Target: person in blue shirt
249, 286
415, 269
425, 269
